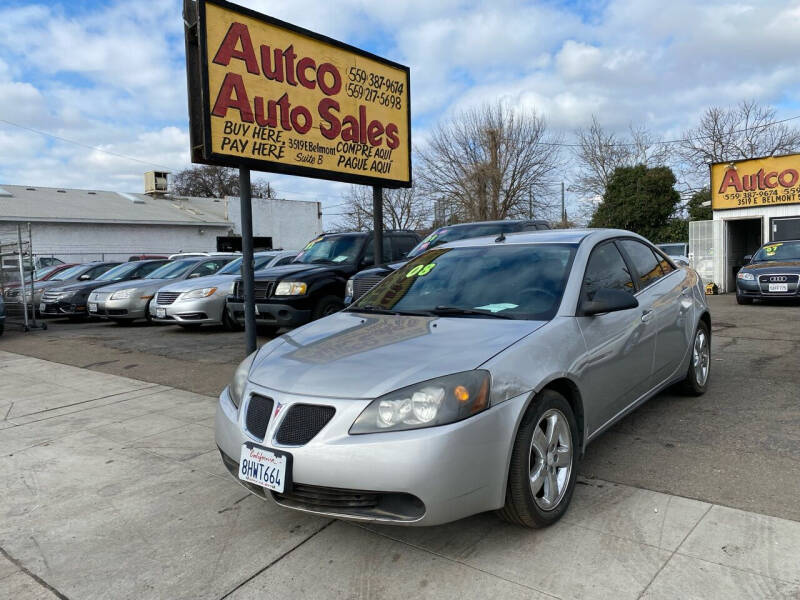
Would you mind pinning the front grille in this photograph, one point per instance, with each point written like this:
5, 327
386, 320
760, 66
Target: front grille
302, 422
258, 413
165, 298
324, 497
261, 291
361, 285
778, 278
50, 297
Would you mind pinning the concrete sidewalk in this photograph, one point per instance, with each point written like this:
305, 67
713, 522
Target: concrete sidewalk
112, 488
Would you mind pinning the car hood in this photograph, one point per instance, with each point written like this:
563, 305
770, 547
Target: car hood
143, 284
186, 285
285, 271
79, 286
357, 355
787, 266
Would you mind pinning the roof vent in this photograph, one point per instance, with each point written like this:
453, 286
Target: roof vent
155, 183
92, 193
131, 197
5, 193
62, 191
31, 189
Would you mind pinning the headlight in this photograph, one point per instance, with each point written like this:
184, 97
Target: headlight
236, 388
122, 294
201, 293
348, 288
434, 402
290, 288
745, 276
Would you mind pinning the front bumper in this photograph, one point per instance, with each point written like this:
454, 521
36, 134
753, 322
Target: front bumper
428, 476
269, 313
61, 308
759, 287
125, 309
199, 311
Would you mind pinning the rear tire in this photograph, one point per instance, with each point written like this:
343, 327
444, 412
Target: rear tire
696, 381
743, 300
541, 477
327, 306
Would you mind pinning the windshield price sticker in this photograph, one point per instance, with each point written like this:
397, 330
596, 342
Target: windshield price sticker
771, 249
421, 270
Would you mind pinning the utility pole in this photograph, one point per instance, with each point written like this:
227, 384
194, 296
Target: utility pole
530, 204
563, 209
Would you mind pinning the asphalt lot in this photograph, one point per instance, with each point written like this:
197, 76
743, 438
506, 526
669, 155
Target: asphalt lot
737, 446
112, 489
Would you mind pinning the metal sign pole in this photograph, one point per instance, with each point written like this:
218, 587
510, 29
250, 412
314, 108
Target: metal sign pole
22, 277
33, 272
377, 223
248, 282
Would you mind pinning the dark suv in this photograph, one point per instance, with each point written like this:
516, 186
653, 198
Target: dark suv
363, 281
312, 285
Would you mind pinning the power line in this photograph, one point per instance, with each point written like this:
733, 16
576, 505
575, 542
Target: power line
63, 139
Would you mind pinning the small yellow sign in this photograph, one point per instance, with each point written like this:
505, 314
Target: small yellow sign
279, 98
756, 182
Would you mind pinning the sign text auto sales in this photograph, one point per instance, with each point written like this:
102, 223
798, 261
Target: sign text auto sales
282, 99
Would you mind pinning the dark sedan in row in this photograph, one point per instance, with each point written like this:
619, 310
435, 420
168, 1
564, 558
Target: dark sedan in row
772, 272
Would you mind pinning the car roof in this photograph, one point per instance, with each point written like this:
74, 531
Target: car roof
497, 222
550, 236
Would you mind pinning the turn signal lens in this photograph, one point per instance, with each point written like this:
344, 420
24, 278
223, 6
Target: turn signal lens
461, 393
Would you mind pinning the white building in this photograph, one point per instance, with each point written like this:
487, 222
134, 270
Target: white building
82, 225
753, 202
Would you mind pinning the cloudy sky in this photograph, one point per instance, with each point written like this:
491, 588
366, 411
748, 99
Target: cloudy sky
111, 74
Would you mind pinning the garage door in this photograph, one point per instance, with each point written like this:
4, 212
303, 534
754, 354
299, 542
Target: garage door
786, 229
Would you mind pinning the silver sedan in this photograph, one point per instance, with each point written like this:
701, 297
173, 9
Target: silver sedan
194, 302
471, 379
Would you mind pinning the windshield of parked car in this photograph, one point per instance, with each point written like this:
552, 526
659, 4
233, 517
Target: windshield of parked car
172, 270
778, 251
234, 267
39, 273
451, 234
333, 249
119, 272
520, 281
68, 273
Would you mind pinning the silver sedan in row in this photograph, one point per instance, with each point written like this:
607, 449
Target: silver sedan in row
195, 302
128, 301
470, 379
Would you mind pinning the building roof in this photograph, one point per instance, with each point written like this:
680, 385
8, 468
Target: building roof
64, 205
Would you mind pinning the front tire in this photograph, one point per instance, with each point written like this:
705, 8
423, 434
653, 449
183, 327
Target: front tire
743, 300
541, 477
327, 306
696, 381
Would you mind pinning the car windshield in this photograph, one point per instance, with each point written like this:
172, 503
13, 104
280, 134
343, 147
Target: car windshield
68, 273
452, 234
672, 249
172, 270
778, 251
39, 273
233, 268
119, 272
515, 281
333, 249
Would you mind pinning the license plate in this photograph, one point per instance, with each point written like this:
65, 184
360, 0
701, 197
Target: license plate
92, 306
43, 307
778, 287
265, 467
161, 313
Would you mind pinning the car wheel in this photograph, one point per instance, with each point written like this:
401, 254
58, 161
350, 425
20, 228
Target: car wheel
541, 477
229, 322
147, 316
696, 380
327, 306
743, 300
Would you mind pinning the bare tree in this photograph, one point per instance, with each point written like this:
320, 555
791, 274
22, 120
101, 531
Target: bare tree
490, 162
746, 130
403, 208
209, 181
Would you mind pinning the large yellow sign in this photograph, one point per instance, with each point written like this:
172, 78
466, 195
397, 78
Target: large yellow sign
756, 182
283, 99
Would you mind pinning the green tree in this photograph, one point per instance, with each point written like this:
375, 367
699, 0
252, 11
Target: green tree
639, 199
698, 212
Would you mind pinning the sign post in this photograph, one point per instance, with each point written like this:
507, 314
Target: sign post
377, 223
248, 283
269, 96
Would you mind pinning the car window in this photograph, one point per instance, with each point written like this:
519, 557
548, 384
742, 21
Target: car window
522, 281
331, 249
68, 273
777, 251
283, 261
369, 255
98, 270
606, 269
443, 235
665, 265
118, 273
402, 245
208, 267
148, 268
172, 270
647, 266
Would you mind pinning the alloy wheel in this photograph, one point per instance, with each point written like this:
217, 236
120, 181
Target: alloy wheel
701, 357
550, 463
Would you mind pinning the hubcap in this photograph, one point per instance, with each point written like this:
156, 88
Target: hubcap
701, 357
550, 463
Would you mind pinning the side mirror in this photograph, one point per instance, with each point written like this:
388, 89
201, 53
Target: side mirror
606, 300
748, 258
84, 277
194, 276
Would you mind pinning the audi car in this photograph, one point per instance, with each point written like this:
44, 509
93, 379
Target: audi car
470, 379
772, 272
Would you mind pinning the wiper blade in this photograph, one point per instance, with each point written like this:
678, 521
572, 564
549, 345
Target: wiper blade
448, 311
379, 310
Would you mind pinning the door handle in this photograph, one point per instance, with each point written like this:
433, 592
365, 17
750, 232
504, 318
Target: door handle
647, 315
